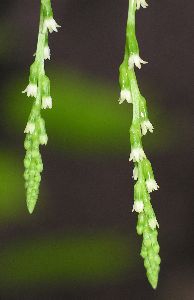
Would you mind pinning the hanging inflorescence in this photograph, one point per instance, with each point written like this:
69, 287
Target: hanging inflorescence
39, 88
142, 173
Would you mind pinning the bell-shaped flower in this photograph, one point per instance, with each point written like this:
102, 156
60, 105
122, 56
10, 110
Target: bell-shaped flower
135, 59
125, 95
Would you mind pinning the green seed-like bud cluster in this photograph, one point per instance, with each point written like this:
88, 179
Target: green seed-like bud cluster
39, 88
147, 226
147, 223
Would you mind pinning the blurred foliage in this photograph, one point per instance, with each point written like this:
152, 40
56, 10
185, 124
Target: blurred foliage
11, 187
81, 259
86, 116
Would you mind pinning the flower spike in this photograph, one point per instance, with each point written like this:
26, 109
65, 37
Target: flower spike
38, 87
142, 173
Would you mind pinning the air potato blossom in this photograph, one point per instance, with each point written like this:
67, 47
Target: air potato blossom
142, 3
125, 95
38, 87
51, 25
147, 224
136, 60
31, 90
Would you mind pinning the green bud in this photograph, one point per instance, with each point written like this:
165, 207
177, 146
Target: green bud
35, 153
45, 86
41, 125
151, 254
143, 252
143, 109
35, 142
31, 183
147, 243
26, 175
26, 162
32, 172
37, 178
153, 279
138, 195
146, 263
157, 259
139, 229
132, 41
156, 248
147, 169
34, 71
27, 144
39, 167
123, 76
135, 135
141, 219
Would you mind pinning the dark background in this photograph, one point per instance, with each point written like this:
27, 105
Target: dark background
81, 242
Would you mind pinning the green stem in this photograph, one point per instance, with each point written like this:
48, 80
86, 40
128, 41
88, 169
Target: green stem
131, 13
131, 40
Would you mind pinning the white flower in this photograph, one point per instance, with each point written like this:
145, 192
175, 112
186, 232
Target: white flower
43, 139
151, 185
142, 3
137, 154
30, 127
153, 223
138, 206
125, 95
47, 53
51, 25
135, 173
46, 102
134, 59
31, 90
146, 126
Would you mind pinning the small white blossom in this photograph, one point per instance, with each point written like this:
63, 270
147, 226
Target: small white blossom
151, 185
135, 173
125, 95
51, 25
146, 126
153, 223
138, 206
134, 59
30, 127
31, 90
137, 154
142, 3
43, 139
46, 102
47, 53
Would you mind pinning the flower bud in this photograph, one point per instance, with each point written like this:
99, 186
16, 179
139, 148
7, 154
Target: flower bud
143, 109
138, 206
123, 76
132, 42
45, 86
153, 223
34, 73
